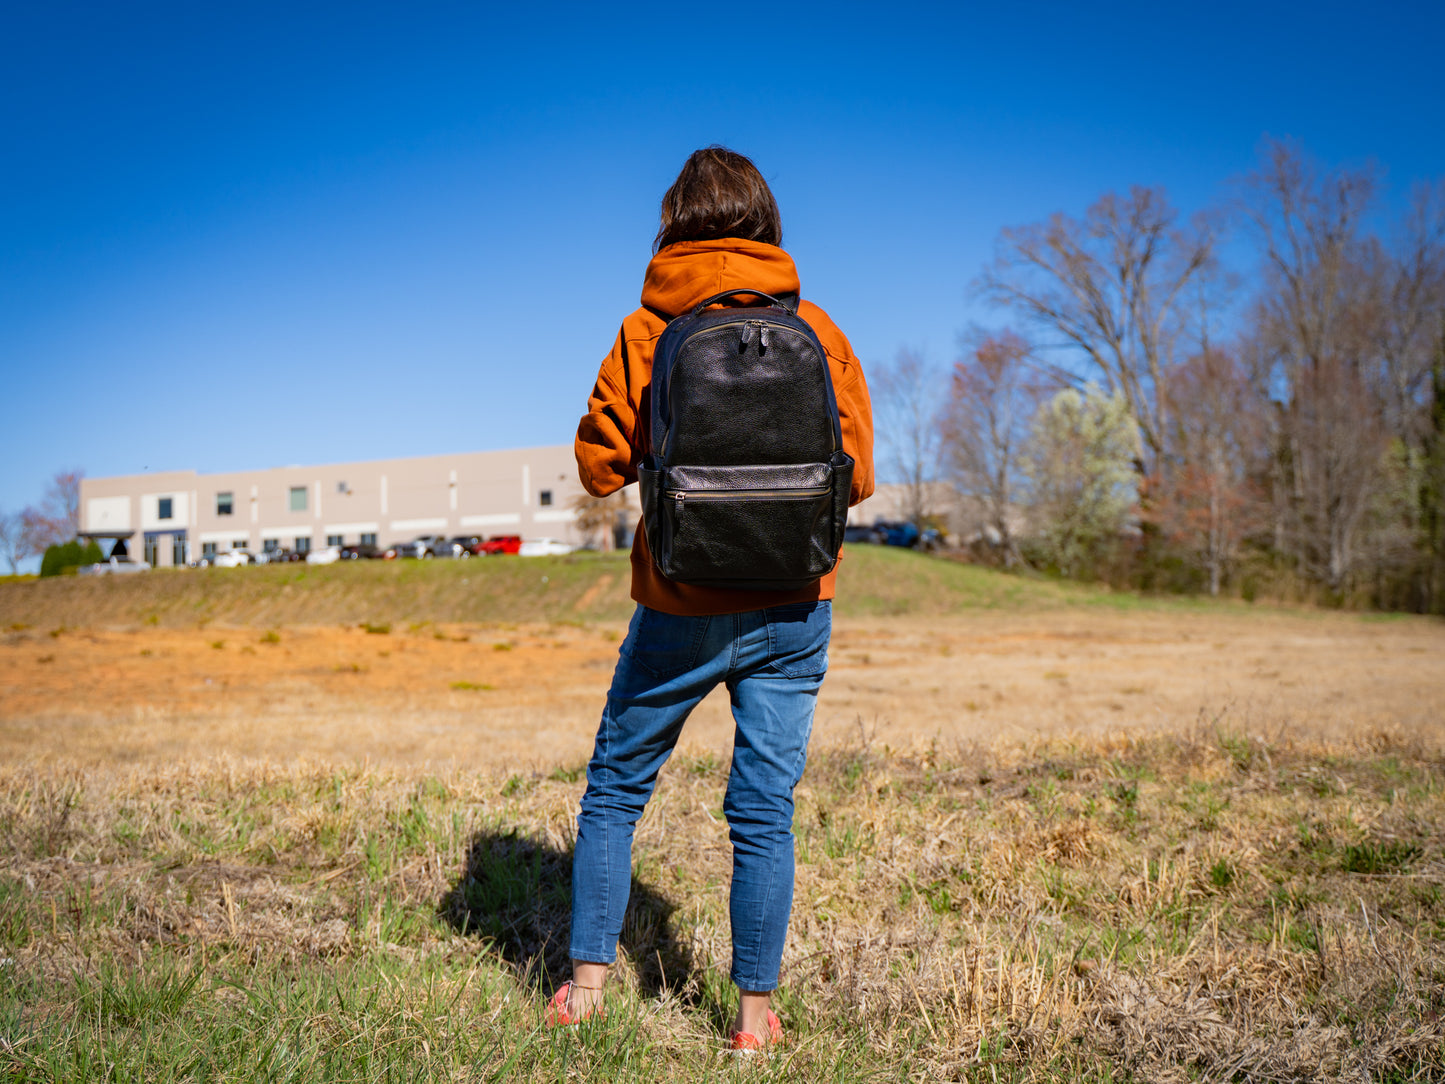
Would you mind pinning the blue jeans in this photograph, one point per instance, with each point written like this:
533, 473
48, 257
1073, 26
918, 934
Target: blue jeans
773, 663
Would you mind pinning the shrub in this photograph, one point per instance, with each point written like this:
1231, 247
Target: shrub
67, 555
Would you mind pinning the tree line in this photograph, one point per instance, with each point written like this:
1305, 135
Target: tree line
1155, 418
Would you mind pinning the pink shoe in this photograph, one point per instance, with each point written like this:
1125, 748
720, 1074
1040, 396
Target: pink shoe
559, 1016
743, 1041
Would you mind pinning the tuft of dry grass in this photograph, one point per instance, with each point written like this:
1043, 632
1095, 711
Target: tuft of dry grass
1211, 905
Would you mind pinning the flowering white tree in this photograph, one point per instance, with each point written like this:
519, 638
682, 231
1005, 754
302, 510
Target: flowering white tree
1079, 463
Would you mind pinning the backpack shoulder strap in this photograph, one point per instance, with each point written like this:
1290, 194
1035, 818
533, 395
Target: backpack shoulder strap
786, 302
782, 301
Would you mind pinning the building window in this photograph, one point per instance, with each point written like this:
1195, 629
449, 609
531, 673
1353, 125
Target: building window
164, 508
208, 549
335, 540
224, 503
544, 498
270, 545
151, 551
239, 544
298, 498
369, 538
178, 550
303, 545
341, 488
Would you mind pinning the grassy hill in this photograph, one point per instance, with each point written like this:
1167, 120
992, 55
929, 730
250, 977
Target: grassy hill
587, 587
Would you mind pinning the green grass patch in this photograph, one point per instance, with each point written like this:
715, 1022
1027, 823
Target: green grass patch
957, 917
1389, 856
379, 596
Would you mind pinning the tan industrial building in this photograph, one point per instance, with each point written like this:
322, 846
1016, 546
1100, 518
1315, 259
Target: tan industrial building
174, 517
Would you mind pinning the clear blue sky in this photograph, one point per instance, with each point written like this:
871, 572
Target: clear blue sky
245, 235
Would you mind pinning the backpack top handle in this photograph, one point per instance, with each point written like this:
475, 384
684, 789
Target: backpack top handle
788, 303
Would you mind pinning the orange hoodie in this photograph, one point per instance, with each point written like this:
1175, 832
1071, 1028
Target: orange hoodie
612, 436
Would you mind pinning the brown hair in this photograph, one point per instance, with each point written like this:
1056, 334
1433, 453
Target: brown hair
719, 193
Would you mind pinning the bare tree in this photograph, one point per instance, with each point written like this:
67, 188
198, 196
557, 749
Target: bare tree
10, 540
1411, 284
992, 398
1208, 502
597, 517
57, 517
1431, 488
906, 399
1408, 279
1319, 324
1117, 287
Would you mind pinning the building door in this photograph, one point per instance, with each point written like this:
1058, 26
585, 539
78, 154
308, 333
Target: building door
178, 550
151, 550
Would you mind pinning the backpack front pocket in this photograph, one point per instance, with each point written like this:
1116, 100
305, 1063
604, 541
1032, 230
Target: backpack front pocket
748, 527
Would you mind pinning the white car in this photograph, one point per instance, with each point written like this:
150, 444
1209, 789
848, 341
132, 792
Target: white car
114, 567
326, 555
229, 559
544, 547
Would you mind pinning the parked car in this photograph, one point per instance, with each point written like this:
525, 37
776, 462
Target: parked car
871, 535
363, 551
228, 559
502, 543
443, 547
418, 547
114, 567
901, 533
326, 555
544, 547
277, 556
469, 545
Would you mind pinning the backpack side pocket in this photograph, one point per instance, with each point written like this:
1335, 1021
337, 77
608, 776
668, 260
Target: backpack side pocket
649, 486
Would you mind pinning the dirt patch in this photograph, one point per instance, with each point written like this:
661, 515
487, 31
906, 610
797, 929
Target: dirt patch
528, 696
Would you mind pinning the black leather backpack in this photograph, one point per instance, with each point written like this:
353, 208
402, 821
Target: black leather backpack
745, 483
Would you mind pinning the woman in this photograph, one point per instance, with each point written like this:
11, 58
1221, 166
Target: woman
720, 231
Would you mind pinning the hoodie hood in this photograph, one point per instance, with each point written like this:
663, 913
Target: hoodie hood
688, 272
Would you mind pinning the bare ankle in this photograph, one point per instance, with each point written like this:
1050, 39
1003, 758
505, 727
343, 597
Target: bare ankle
587, 982
753, 1012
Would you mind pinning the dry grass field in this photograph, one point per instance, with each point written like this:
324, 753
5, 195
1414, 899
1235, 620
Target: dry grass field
1045, 834
526, 696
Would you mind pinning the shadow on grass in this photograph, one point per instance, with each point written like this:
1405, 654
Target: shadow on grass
516, 892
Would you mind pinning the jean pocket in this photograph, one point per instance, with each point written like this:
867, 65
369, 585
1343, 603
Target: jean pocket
798, 635
664, 645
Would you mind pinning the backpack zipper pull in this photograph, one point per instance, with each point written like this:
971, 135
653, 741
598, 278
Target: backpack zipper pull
763, 334
678, 497
747, 335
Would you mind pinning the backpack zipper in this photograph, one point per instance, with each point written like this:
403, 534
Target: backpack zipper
761, 327
799, 494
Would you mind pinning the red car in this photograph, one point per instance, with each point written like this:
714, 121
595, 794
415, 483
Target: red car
499, 544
